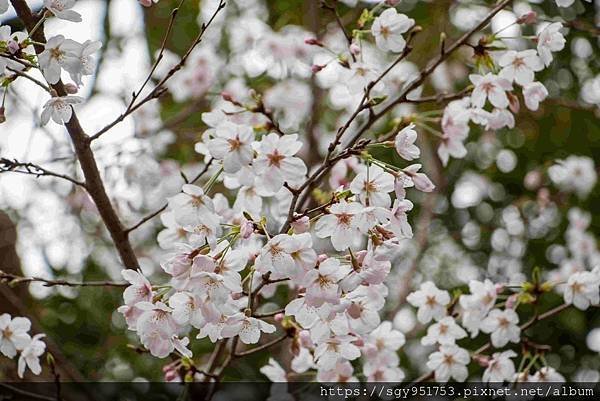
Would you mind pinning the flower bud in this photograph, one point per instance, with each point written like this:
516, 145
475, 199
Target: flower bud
246, 229
527, 18
513, 102
321, 258
305, 339
316, 68
301, 225
511, 301
533, 180
146, 3
354, 49
423, 183
13, 46
313, 42
227, 96
279, 317
499, 288
482, 360
392, 3
170, 375
71, 88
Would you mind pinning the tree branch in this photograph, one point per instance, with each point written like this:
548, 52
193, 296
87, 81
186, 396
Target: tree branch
16, 166
13, 279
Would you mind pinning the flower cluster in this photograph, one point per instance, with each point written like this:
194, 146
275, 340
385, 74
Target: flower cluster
15, 339
17, 57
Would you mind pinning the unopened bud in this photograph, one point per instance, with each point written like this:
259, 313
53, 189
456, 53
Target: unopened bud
533, 180
513, 102
392, 3
322, 257
482, 360
511, 301
313, 42
246, 229
279, 317
423, 183
13, 46
499, 288
301, 225
527, 18
355, 49
170, 375
227, 96
316, 68
71, 89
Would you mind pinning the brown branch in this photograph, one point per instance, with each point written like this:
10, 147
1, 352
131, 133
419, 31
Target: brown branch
81, 142
13, 279
16, 166
159, 89
29, 77
261, 347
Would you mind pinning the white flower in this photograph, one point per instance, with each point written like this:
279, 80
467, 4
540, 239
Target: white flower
13, 334
30, 356
444, 332
274, 371
82, 63
329, 352
59, 109
232, 143
156, 328
520, 67
583, 289
322, 283
547, 374
139, 290
388, 29
451, 145
405, 143
275, 163
503, 326
449, 362
491, 87
477, 305
550, 40
373, 186
500, 368
341, 224
62, 9
58, 52
247, 328
383, 339
361, 76
431, 301
574, 174
534, 93
188, 309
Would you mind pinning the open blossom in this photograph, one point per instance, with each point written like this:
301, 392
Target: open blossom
520, 67
446, 331
405, 143
13, 334
337, 348
373, 186
156, 328
503, 327
276, 164
232, 143
477, 305
534, 93
30, 356
583, 289
274, 371
362, 75
59, 53
62, 9
59, 109
247, 328
399, 221
449, 362
431, 301
550, 40
574, 174
139, 290
82, 63
388, 29
500, 368
322, 283
491, 87
341, 224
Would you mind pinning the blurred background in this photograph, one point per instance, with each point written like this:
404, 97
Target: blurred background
495, 214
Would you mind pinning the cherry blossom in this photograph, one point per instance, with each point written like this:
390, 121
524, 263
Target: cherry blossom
431, 301
500, 367
30, 355
491, 87
550, 40
59, 109
13, 334
583, 289
62, 9
373, 186
520, 67
341, 224
405, 143
503, 327
534, 93
233, 144
449, 362
247, 328
444, 332
388, 29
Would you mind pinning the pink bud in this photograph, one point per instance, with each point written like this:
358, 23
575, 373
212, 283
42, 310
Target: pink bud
513, 103
13, 46
322, 257
279, 317
246, 229
423, 183
499, 288
146, 3
482, 360
511, 301
71, 88
227, 96
301, 225
359, 342
354, 49
527, 18
316, 68
170, 376
313, 42
392, 3
533, 180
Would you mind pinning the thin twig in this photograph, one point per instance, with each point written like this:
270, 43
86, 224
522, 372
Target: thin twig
16, 166
32, 79
159, 89
13, 279
261, 347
